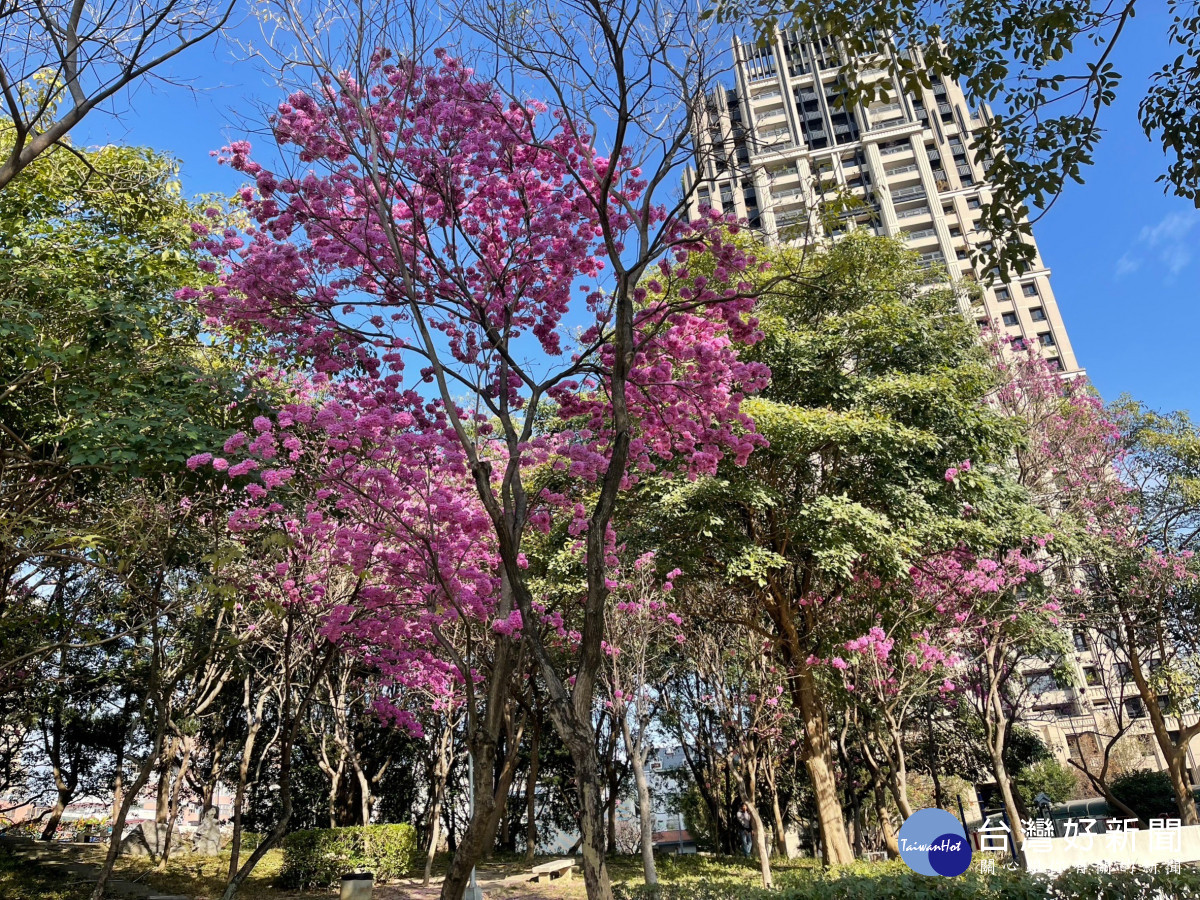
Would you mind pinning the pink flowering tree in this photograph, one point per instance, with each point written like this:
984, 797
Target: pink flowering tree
903, 660
644, 636
729, 697
458, 275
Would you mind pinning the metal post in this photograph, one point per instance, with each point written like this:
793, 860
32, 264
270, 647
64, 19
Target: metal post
473, 891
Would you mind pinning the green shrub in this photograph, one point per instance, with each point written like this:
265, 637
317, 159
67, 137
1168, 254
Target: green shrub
318, 858
1149, 794
886, 882
250, 841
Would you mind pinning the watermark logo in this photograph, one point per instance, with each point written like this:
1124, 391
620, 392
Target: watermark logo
934, 842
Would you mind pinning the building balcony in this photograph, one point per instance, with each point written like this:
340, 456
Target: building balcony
910, 213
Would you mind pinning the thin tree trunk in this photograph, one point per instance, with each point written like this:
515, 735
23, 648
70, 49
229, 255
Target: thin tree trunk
139, 782
531, 831
781, 847
286, 746
748, 795
637, 760
885, 819
63, 797
441, 770
173, 810
253, 726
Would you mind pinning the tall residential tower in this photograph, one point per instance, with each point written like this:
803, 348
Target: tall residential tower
784, 134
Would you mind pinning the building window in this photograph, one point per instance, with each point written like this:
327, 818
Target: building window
1010, 318
974, 202
1081, 643
961, 253
1046, 338
1091, 676
1073, 746
983, 323
1018, 343
1003, 294
1057, 364
1135, 708
1037, 314
955, 231
1040, 682
1029, 290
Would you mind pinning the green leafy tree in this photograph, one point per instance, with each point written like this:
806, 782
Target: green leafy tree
105, 377
1148, 794
878, 383
1047, 776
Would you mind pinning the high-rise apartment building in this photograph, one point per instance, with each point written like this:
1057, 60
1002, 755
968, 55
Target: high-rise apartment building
783, 138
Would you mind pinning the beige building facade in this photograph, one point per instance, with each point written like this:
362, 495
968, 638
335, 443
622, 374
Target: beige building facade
782, 139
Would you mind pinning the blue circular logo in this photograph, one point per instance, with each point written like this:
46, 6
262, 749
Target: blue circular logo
933, 842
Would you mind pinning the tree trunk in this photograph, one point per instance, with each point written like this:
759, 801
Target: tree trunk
472, 844
173, 809
1184, 799
637, 761
531, 832
595, 869
287, 743
441, 770
1011, 810
748, 795
898, 773
139, 782
818, 760
56, 813
254, 716
885, 819
781, 847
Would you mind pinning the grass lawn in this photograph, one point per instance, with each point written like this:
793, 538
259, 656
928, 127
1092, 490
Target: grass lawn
203, 878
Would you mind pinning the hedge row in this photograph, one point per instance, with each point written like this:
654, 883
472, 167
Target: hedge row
1076, 884
318, 858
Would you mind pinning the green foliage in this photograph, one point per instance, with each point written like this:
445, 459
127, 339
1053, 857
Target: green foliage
318, 858
878, 385
1045, 66
895, 882
1149, 794
100, 364
1047, 776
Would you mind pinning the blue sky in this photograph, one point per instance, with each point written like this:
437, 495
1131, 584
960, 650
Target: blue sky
1125, 257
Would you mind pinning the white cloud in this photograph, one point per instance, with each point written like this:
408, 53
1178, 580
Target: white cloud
1166, 245
1127, 264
